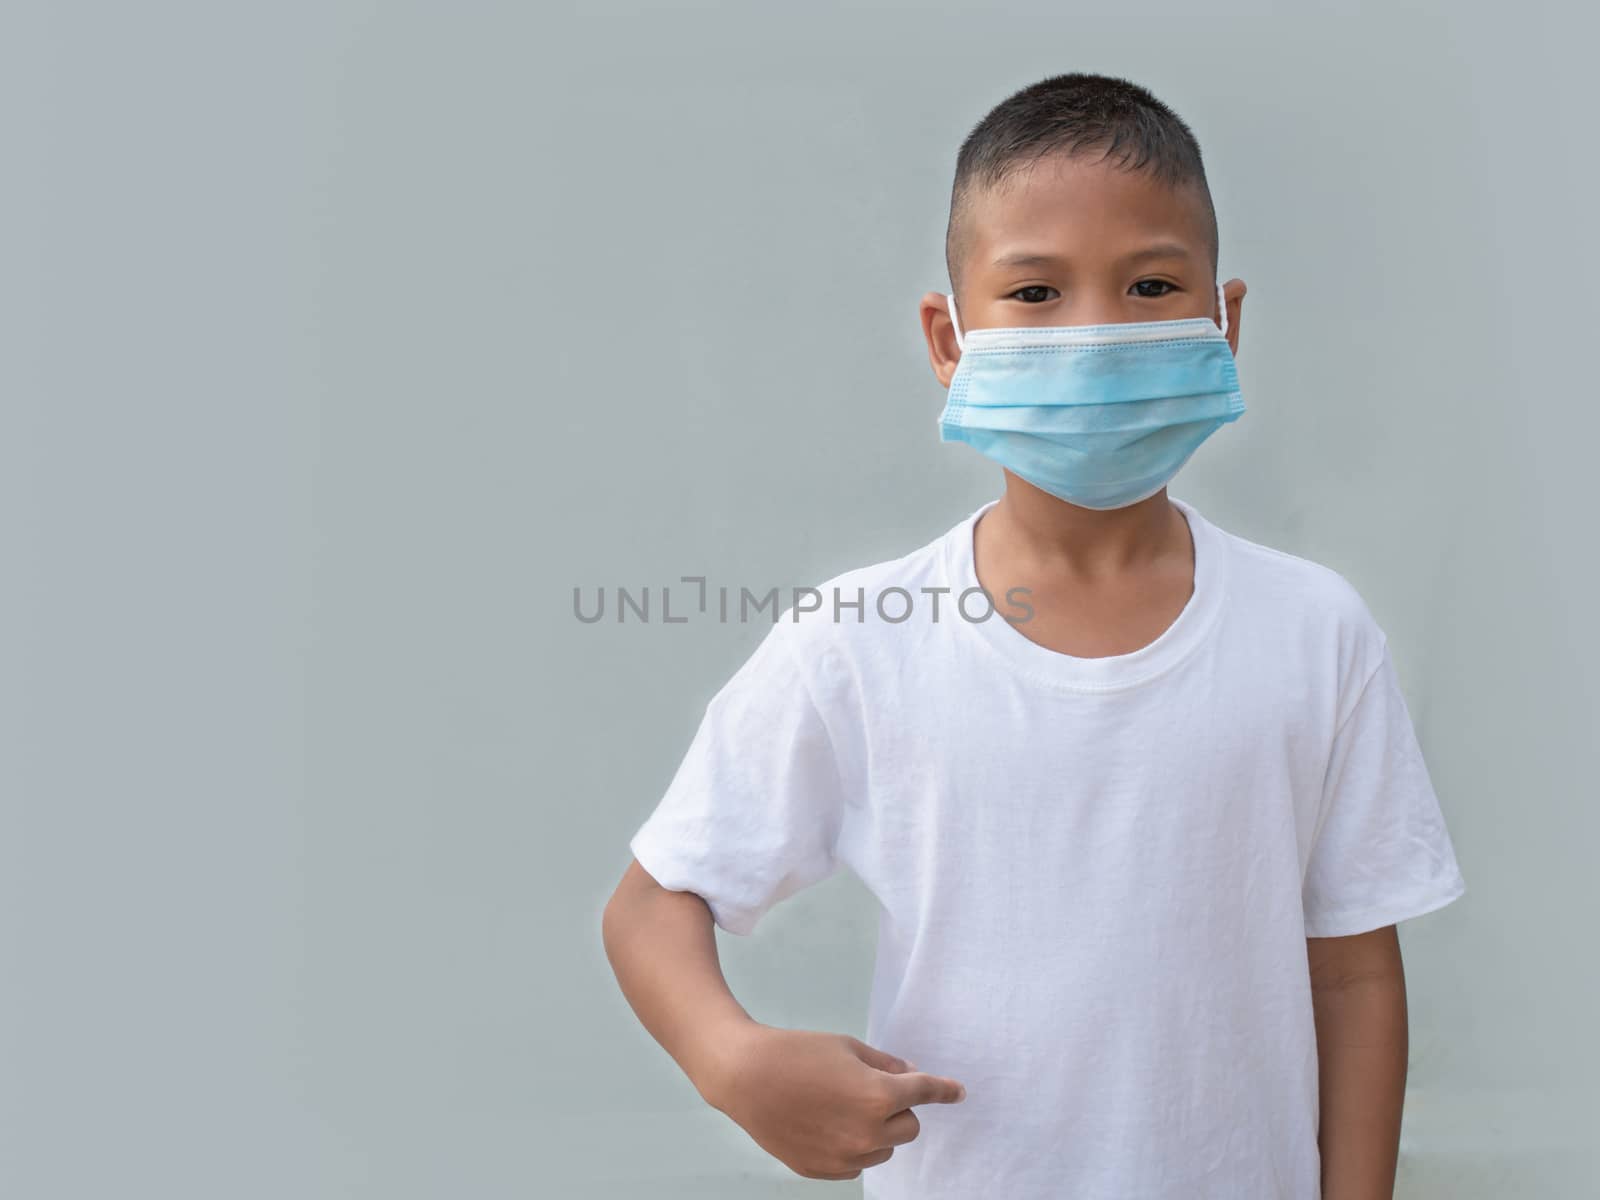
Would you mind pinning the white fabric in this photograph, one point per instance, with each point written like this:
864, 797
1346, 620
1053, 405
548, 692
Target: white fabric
1095, 875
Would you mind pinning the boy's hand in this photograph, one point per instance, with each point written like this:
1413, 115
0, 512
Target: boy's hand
825, 1105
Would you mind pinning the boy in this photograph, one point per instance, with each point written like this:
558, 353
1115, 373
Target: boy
1140, 800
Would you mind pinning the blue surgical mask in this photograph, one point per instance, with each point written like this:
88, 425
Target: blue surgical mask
1101, 416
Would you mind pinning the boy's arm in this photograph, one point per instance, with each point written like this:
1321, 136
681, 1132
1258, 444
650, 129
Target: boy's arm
663, 950
1359, 997
825, 1105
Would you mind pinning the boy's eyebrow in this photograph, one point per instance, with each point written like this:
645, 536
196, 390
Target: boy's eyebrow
1023, 258
1160, 250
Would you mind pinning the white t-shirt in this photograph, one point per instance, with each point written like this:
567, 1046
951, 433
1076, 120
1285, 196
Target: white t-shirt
1096, 875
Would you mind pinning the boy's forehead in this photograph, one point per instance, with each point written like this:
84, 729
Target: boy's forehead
1076, 208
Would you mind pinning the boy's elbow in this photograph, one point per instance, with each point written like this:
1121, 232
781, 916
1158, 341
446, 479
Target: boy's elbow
614, 913
620, 909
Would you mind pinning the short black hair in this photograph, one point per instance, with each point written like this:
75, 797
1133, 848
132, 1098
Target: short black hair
1074, 114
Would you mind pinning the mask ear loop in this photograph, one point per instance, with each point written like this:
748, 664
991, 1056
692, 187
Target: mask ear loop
1222, 305
950, 304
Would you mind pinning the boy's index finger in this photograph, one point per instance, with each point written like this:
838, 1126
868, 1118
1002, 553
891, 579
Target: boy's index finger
918, 1087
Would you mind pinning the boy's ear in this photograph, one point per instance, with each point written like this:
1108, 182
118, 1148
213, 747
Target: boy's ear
943, 353
1233, 295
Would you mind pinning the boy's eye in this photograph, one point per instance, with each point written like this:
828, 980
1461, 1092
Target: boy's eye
1162, 284
1031, 294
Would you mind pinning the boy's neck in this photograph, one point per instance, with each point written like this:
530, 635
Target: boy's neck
1033, 523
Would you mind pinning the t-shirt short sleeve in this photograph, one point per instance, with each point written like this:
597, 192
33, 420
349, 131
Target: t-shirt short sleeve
753, 813
1381, 853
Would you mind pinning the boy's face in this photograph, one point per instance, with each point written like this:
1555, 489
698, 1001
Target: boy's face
1076, 241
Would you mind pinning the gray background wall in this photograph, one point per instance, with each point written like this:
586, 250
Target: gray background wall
342, 340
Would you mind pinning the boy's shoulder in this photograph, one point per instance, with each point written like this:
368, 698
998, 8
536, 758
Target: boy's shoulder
1302, 599
917, 570
1270, 574
894, 596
